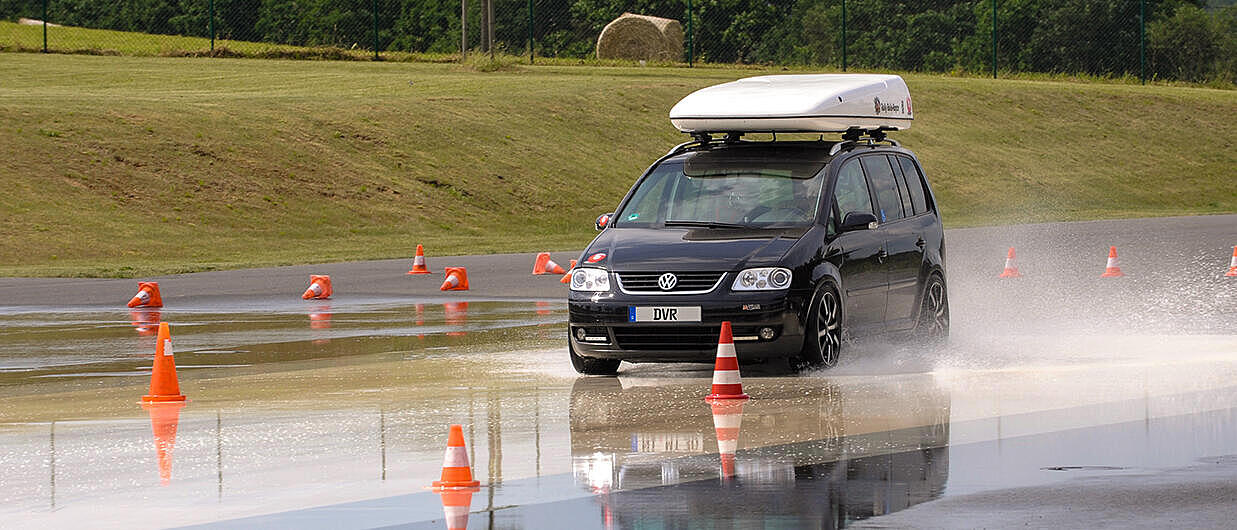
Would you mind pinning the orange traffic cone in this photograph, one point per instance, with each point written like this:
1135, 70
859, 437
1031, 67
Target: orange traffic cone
1114, 269
455, 506
727, 416
164, 418
545, 265
1011, 270
418, 262
163, 383
147, 295
457, 279
319, 288
567, 277
726, 383
456, 473
1232, 265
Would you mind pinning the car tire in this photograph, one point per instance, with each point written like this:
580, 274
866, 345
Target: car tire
933, 324
822, 341
591, 366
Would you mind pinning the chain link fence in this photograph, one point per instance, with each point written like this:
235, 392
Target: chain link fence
1149, 39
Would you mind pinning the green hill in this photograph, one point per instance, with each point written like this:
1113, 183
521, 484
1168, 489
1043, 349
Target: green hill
126, 166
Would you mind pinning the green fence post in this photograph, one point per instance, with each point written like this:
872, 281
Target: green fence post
843, 35
691, 45
44, 26
994, 39
1142, 41
375, 8
211, 15
530, 31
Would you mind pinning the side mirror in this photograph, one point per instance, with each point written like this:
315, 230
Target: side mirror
603, 221
858, 221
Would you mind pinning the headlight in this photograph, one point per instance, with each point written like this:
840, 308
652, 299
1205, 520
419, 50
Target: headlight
590, 279
762, 279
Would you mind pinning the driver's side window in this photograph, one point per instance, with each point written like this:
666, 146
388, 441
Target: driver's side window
851, 193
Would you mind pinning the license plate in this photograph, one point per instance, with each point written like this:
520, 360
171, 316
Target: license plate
667, 443
663, 314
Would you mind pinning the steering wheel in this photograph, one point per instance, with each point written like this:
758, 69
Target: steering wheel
790, 213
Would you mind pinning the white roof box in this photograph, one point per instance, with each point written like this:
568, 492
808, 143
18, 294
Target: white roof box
797, 103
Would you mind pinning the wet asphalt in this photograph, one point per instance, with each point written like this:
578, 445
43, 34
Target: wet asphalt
1062, 399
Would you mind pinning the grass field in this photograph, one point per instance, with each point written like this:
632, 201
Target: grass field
123, 166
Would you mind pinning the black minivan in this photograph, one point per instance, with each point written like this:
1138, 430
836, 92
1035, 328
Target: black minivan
799, 244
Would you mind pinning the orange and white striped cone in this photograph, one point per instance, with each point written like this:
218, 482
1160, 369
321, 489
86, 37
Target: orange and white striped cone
147, 295
1114, 268
727, 417
1232, 265
319, 288
457, 279
1011, 269
545, 265
418, 263
567, 277
456, 473
455, 506
726, 381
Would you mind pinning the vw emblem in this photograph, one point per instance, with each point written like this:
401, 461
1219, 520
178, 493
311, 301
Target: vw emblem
667, 281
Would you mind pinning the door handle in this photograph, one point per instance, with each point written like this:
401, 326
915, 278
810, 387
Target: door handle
920, 243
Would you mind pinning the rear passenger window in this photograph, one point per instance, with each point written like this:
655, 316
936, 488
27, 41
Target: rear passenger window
888, 201
914, 184
907, 207
851, 192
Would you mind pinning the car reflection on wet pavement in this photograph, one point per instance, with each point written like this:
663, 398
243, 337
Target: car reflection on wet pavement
335, 416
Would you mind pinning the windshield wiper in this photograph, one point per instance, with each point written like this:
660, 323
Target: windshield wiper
704, 224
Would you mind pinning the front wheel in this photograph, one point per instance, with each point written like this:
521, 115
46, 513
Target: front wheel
822, 344
933, 325
591, 366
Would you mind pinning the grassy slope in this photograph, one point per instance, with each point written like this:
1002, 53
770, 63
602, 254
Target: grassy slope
124, 166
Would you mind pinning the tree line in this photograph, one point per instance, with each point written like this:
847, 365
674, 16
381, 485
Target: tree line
1184, 39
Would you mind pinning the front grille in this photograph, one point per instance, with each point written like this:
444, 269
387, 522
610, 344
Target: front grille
667, 337
688, 282
674, 338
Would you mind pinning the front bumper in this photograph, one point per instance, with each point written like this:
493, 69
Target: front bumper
608, 333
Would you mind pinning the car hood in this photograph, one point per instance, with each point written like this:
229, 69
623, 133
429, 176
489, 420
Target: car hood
694, 249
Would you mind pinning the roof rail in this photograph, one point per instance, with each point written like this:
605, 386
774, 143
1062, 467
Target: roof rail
854, 135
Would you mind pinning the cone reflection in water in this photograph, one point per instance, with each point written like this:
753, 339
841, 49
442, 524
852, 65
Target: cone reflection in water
543, 308
320, 317
455, 506
727, 417
1011, 267
164, 418
145, 322
164, 386
456, 314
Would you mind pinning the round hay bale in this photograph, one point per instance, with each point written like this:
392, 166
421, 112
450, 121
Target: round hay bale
640, 37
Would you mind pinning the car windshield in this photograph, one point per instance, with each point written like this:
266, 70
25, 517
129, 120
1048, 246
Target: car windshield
723, 189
